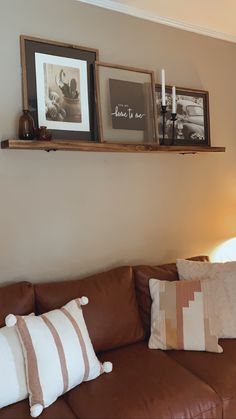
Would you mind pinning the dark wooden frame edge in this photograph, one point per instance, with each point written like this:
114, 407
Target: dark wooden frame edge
24, 38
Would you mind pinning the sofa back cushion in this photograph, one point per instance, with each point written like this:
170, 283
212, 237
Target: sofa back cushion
16, 298
112, 316
142, 274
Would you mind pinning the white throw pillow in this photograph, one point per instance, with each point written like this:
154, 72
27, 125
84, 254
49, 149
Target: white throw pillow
224, 301
13, 386
58, 353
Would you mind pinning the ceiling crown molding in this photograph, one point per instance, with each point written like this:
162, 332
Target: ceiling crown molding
153, 17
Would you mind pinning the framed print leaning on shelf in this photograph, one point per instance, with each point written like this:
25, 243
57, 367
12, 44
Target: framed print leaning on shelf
126, 106
59, 88
192, 125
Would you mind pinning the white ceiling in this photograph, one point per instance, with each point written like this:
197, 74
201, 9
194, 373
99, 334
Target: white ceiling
214, 18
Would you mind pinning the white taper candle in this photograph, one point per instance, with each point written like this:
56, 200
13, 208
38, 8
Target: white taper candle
163, 88
173, 99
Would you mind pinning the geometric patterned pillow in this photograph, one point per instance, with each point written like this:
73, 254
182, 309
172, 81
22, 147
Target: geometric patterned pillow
58, 353
180, 316
224, 302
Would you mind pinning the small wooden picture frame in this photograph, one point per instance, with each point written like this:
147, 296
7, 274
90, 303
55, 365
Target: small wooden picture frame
59, 87
125, 104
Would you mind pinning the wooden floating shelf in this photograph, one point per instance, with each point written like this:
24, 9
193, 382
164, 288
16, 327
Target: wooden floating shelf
104, 147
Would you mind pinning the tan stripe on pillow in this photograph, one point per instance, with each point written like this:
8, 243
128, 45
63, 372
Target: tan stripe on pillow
60, 350
81, 340
34, 385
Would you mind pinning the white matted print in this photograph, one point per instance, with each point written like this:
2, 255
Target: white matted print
62, 93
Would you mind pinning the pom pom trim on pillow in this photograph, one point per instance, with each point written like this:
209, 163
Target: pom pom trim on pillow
58, 353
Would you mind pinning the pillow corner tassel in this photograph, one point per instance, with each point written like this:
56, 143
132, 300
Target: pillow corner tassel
107, 367
36, 410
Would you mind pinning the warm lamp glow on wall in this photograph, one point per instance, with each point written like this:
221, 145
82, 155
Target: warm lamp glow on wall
225, 252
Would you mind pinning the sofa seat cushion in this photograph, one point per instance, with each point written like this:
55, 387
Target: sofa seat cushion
217, 370
58, 410
112, 316
16, 298
144, 384
142, 274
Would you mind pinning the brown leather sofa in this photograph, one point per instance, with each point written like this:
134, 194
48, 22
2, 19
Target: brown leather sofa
144, 383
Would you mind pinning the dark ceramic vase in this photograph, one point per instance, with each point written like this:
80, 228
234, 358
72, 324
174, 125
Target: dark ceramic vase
26, 126
43, 134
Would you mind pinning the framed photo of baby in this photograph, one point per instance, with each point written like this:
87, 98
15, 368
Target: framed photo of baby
58, 87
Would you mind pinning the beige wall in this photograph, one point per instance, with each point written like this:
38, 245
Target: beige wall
68, 213
218, 15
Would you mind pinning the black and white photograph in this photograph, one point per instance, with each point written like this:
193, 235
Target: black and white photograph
62, 93
62, 96
59, 87
192, 117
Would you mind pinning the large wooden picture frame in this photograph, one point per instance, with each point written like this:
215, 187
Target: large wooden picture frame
126, 104
59, 87
192, 126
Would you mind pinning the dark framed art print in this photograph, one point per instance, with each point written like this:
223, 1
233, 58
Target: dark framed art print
59, 87
192, 124
126, 105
